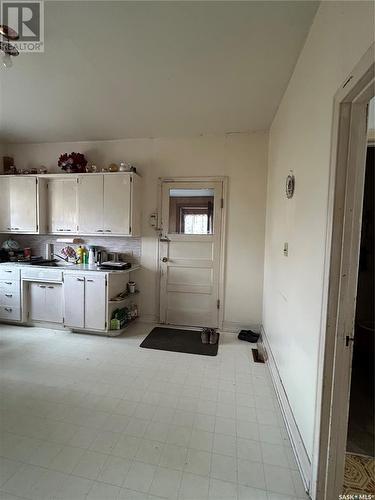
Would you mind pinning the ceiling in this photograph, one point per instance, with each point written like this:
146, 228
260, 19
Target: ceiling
118, 69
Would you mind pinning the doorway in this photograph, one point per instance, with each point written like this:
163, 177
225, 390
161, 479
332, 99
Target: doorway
346, 198
191, 252
360, 457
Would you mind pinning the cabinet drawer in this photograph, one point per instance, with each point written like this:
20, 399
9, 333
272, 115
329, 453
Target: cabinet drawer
10, 313
9, 286
42, 274
10, 298
9, 273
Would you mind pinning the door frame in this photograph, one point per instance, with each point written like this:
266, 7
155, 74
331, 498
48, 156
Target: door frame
224, 182
346, 188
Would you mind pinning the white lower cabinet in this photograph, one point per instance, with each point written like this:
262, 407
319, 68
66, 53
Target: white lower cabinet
45, 302
10, 299
95, 301
85, 301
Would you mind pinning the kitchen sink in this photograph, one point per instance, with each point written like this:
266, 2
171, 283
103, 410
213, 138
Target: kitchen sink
53, 263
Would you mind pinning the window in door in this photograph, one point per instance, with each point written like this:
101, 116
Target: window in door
191, 211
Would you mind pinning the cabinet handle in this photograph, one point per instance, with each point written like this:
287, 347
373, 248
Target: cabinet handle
99, 230
8, 271
80, 279
91, 281
8, 282
51, 287
108, 230
8, 309
42, 286
67, 230
8, 295
9, 228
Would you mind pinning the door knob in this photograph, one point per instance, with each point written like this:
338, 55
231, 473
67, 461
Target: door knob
164, 259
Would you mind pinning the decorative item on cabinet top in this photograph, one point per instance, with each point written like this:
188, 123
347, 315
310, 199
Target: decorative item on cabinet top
74, 162
80, 204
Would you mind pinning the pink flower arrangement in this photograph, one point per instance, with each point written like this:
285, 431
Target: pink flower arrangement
75, 162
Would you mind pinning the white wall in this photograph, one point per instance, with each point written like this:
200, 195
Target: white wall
241, 157
300, 140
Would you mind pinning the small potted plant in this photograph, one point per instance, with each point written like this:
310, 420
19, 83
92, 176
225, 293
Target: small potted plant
73, 162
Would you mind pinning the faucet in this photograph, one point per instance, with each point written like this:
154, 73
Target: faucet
65, 259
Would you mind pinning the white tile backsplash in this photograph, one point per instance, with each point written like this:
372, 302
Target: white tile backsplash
129, 248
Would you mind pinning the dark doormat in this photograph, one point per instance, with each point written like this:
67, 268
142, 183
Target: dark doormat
171, 339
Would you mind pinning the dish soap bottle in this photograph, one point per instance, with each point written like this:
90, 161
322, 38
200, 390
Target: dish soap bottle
79, 253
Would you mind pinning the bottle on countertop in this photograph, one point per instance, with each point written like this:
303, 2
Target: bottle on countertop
92, 256
85, 256
79, 253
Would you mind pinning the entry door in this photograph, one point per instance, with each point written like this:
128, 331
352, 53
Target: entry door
190, 248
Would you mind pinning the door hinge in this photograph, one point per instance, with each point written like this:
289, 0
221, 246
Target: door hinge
218, 304
222, 202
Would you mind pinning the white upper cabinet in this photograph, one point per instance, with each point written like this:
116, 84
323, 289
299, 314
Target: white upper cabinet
62, 205
90, 204
108, 204
84, 204
117, 204
23, 204
4, 205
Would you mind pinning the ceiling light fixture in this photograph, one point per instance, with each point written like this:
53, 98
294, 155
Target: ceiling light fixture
8, 48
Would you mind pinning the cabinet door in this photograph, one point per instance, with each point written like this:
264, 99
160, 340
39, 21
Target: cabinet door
90, 204
62, 205
37, 301
74, 300
53, 308
4, 205
23, 204
116, 213
95, 302
54, 207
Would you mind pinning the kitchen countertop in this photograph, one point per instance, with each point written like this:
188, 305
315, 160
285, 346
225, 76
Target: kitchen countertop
70, 267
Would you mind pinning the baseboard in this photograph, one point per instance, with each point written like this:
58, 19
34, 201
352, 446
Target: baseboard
235, 327
299, 449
